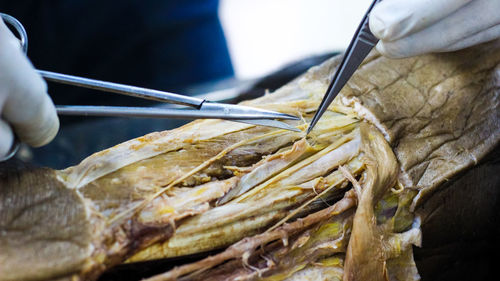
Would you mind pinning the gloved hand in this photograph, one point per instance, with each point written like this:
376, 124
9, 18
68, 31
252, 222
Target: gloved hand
412, 27
25, 106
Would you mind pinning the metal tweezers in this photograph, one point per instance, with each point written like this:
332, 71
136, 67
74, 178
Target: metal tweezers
360, 46
203, 109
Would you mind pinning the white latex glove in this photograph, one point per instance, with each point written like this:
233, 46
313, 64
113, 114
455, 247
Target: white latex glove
412, 27
25, 106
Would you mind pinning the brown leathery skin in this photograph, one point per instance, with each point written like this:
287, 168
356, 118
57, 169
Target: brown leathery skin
50, 232
45, 228
440, 113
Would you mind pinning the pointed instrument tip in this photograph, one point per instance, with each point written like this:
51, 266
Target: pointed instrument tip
285, 126
268, 114
233, 111
309, 129
270, 123
315, 120
290, 117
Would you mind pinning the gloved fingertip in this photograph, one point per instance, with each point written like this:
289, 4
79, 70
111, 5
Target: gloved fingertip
377, 27
382, 50
49, 129
6, 138
389, 50
41, 128
48, 134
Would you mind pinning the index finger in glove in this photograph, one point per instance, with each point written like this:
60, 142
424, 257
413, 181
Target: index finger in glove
393, 19
472, 24
24, 102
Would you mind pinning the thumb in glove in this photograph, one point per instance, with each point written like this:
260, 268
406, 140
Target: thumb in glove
24, 102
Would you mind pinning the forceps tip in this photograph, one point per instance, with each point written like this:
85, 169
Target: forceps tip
288, 116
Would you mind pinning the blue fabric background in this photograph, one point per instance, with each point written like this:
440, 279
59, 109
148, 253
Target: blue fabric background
167, 44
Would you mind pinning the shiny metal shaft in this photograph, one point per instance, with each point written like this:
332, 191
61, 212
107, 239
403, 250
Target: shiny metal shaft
133, 91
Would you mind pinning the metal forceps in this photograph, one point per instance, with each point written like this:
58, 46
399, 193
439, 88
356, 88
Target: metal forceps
203, 109
361, 44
